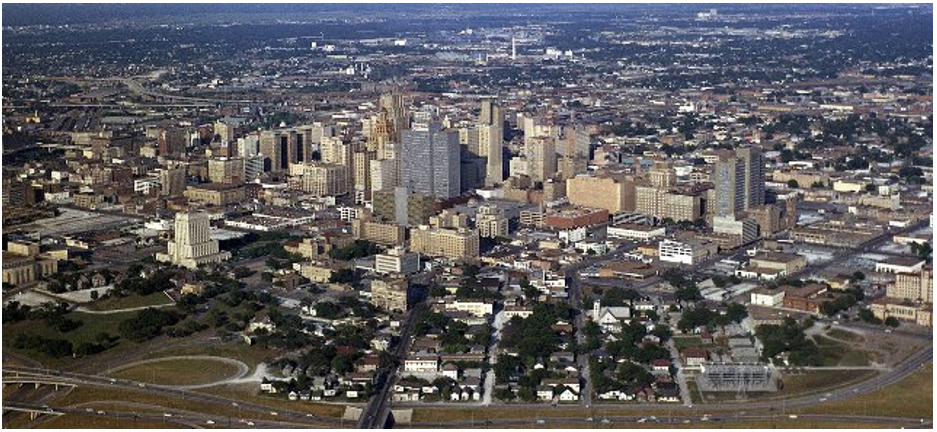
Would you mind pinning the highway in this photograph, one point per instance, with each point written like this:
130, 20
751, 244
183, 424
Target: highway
50, 377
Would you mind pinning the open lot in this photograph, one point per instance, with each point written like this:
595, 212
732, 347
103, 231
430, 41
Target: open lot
911, 397
130, 301
191, 371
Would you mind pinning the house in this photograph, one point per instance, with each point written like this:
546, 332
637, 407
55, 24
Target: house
451, 371
568, 396
661, 365
421, 363
694, 357
268, 387
706, 337
544, 393
610, 319
569, 383
562, 357
621, 395
293, 396
351, 394
264, 323
668, 392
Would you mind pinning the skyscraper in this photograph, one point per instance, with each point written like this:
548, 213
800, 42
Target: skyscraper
541, 158
431, 159
754, 175
739, 182
192, 244
491, 140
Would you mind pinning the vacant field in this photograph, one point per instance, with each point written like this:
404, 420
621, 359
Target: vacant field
102, 422
250, 355
178, 372
92, 325
845, 335
821, 380
911, 397
130, 301
837, 353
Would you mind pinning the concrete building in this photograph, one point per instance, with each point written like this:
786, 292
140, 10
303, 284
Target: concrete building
385, 233
325, 179
390, 294
431, 159
917, 286
491, 222
688, 251
449, 243
172, 181
216, 194
540, 153
397, 261
226, 170
613, 194
192, 245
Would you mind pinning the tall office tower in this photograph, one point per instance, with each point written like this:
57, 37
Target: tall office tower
541, 158
491, 113
325, 179
335, 151
192, 244
729, 186
431, 158
384, 174
172, 181
468, 138
224, 131
491, 140
362, 160
274, 146
382, 135
754, 175
396, 109
172, 142
248, 146
226, 170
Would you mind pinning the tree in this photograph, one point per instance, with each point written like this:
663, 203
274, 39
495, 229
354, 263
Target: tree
793, 184
736, 312
922, 250
530, 292
867, 316
891, 322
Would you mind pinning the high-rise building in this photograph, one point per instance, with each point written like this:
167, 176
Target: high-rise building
490, 143
172, 181
739, 181
325, 179
541, 158
226, 170
192, 244
729, 186
449, 243
431, 159
918, 286
172, 142
395, 106
491, 222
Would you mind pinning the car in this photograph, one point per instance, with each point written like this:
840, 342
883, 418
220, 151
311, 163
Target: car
589, 419
792, 416
605, 420
142, 385
273, 413
90, 410
250, 423
686, 421
102, 412
210, 422
642, 420
888, 330
540, 421
823, 399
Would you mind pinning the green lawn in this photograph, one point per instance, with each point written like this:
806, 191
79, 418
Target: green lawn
92, 325
845, 335
178, 372
819, 380
130, 301
106, 422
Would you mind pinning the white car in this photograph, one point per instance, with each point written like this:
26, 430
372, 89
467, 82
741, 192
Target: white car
211, 422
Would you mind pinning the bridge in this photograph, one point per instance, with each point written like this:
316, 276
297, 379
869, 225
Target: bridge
34, 412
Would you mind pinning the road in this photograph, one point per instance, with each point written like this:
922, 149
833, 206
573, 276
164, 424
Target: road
377, 411
20, 373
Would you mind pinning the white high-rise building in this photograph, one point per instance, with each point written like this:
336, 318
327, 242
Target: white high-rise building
192, 244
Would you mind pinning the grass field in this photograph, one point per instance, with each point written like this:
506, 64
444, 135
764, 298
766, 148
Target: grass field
820, 380
102, 422
89, 395
836, 353
178, 372
130, 301
911, 397
250, 355
92, 325
845, 335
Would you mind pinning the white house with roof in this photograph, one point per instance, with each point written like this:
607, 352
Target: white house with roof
610, 319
